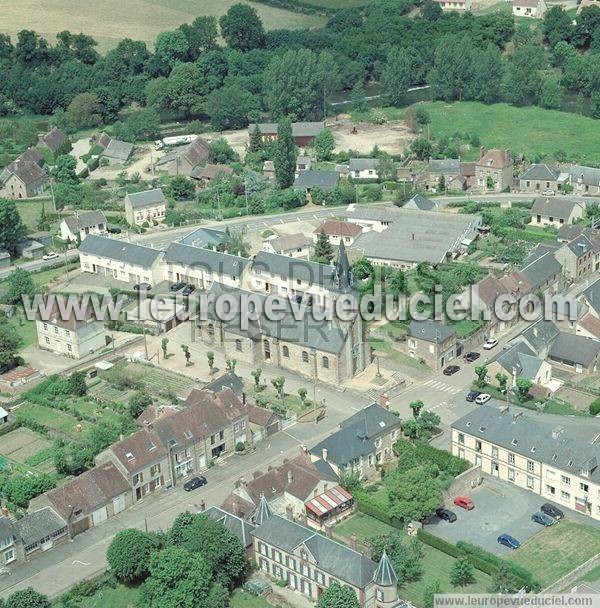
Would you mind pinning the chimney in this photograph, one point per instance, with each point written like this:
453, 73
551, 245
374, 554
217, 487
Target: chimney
290, 476
353, 542
235, 507
328, 531
289, 512
243, 398
325, 454
303, 450
384, 401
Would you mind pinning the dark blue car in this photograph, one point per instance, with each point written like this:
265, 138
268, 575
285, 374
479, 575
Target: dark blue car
508, 541
541, 518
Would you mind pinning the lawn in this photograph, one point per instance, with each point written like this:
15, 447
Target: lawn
108, 21
385, 348
24, 329
53, 419
119, 597
30, 211
363, 526
530, 130
241, 599
557, 550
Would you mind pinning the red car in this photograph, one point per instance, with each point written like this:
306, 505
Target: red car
465, 502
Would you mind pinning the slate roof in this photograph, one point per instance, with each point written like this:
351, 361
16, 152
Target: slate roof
420, 202
385, 575
27, 171
89, 491
146, 198
54, 139
539, 171
118, 150
262, 513
413, 235
557, 207
325, 275
211, 171
203, 237
196, 152
589, 176
592, 295
85, 219
334, 558
563, 447
120, 251
39, 524
363, 164
540, 266
7, 528
215, 262
431, 331
356, 435
288, 242
236, 525
580, 245
328, 336
326, 180
520, 358
445, 166
539, 335
574, 349
228, 380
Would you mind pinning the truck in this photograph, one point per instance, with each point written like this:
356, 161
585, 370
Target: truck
176, 140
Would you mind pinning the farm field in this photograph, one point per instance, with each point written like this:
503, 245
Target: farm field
530, 130
27, 450
109, 21
557, 550
54, 419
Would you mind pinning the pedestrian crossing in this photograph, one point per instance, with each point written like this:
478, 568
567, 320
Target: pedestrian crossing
442, 386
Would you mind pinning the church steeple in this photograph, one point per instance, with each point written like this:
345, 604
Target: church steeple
262, 511
343, 271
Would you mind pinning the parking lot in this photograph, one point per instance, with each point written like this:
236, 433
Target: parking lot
499, 508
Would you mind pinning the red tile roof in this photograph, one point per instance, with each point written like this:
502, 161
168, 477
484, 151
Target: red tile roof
338, 228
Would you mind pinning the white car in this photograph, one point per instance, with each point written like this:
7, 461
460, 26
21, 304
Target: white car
547, 192
483, 398
51, 255
491, 343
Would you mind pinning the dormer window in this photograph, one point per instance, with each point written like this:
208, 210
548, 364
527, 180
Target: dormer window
189, 435
514, 442
151, 446
129, 456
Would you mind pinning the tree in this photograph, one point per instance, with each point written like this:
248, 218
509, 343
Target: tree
77, 385
431, 11
210, 357
481, 371
324, 144
20, 284
164, 344
285, 155
502, 381
171, 47
138, 403
396, 76
503, 580
386, 168
487, 75
404, 554
256, 375
557, 26
324, 251
64, 171
84, 111
129, 555
416, 407
550, 95
430, 422
278, 384
256, 142
242, 28
415, 493
462, 572
231, 107
186, 353
9, 346
429, 593
421, 148
338, 596
523, 386
358, 97
302, 392
27, 598
181, 188
12, 229
221, 152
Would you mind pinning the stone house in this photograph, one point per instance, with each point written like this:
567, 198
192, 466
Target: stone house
535, 9
363, 168
205, 175
81, 223
116, 152
182, 160
420, 203
542, 271
146, 207
53, 140
539, 177
576, 258
588, 323
72, 337
449, 170
519, 361
309, 180
338, 230
556, 211
23, 179
362, 445
120, 260
494, 170
585, 180
431, 341
575, 353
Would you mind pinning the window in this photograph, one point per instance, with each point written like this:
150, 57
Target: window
380, 597
511, 474
530, 466
584, 487
267, 349
286, 351
47, 339
325, 362
494, 452
211, 330
262, 548
238, 345
511, 458
137, 478
304, 356
551, 490
478, 445
529, 481
566, 480
319, 577
9, 556
565, 495
45, 326
69, 347
461, 439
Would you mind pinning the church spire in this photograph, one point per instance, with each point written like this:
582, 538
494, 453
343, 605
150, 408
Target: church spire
262, 511
385, 576
342, 268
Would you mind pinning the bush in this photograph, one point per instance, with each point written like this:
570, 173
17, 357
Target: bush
595, 407
369, 505
93, 164
240, 447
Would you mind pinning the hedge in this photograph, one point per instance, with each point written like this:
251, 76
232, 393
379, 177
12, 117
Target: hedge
595, 407
369, 505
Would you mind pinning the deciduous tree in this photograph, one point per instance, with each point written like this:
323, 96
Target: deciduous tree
129, 555
285, 155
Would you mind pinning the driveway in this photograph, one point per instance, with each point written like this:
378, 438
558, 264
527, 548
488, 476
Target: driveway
499, 507
79, 148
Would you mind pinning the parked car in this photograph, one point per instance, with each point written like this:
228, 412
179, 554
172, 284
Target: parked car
194, 482
142, 287
187, 290
451, 369
472, 395
508, 541
551, 510
491, 343
177, 286
464, 502
446, 514
547, 192
51, 255
482, 398
472, 356
114, 230
541, 518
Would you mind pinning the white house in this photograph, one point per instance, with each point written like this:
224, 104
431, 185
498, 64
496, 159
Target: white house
147, 207
82, 223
